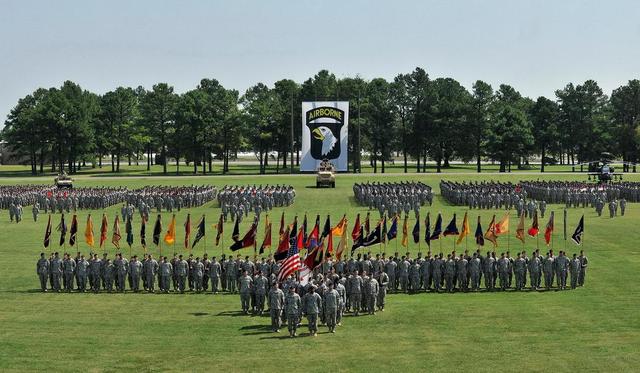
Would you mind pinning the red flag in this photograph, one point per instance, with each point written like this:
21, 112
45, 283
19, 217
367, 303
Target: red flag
283, 245
330, 245
249, 238
266, 243
281, 231
314, 237
300, 239
533, 231
355, 233
311, 260
549, 231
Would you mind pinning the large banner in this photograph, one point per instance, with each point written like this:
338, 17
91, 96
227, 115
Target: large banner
325, 129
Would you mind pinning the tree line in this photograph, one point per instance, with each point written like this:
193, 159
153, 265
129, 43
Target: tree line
413, 117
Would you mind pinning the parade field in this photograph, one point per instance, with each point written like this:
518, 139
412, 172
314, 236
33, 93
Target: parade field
592, 328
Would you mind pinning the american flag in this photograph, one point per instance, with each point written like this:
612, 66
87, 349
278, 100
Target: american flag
290, 264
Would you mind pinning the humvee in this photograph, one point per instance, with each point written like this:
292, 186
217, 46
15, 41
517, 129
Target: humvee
63, 181
326, 174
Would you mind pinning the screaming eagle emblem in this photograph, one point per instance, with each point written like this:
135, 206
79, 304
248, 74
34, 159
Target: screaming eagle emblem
325, 124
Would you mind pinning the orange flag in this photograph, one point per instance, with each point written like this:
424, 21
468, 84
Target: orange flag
490, 234
337, 230
103, 229
170, 236
88, 232
520, 229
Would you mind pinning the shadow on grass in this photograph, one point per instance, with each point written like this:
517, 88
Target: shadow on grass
230, 313
199, 314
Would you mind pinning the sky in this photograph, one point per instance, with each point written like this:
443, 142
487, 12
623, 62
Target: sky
535, 46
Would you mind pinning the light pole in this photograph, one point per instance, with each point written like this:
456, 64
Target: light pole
291, 135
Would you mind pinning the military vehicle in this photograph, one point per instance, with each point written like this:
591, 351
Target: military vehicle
63, 181
326, 174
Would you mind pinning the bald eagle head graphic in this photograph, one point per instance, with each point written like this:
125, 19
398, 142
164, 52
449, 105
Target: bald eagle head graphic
325, 135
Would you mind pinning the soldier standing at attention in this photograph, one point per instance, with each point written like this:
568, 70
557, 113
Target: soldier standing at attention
292, 308
82, 268
475, 270
584, 262
548, 268
245, 283
311, 307
383, 282
503, 271
198, 269
36, 211
449, 273
121, 272
107, 273
354, 284
95, 268
42, 269
574, 267
562, 265
150, 272
276, 303
438, 266
534, 270
231, 270
135, 268
331, 304
374, 289
214, 274
390, 269
520, 269
181, 270
69, 269
166, 270
260, 284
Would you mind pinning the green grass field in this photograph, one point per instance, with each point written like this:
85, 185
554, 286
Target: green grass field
595, 328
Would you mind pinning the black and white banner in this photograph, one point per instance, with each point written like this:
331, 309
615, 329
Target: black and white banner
325, 126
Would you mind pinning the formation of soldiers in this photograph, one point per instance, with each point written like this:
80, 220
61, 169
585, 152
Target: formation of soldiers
23, 195
237, 201
580, 194
484, 195
256, 283
165, 198
576, 193
465, 272
393, 198
50, 199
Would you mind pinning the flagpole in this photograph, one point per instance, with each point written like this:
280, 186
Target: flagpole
466, 237
564, 231
204, 247
551, 236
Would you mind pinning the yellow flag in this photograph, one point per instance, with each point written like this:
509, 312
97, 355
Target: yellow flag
170, 237
88, 232
405, 232
465, 229
338, 229
502, 226
520, 228
343, 242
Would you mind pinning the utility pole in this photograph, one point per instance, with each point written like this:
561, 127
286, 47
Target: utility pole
291, 135
358, 155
